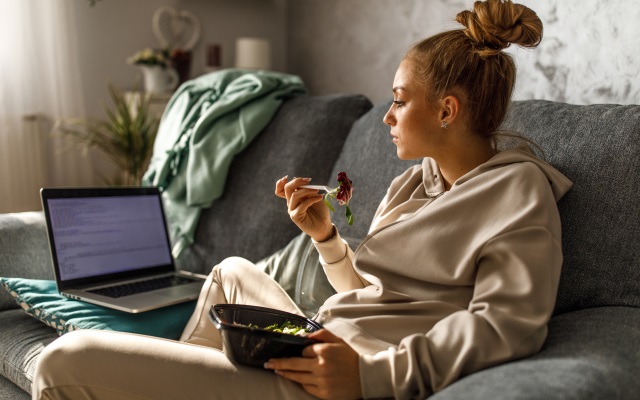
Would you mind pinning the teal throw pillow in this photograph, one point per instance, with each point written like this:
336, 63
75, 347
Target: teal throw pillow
41, 300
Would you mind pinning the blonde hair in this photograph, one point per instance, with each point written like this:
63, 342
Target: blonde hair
471, 61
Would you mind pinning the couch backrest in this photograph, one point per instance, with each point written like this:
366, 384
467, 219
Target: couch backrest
303, 139
24, 250
598, 148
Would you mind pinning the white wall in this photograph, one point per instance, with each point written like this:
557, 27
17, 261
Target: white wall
113, 30
590, 52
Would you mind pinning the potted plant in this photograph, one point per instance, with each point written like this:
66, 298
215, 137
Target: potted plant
156, 66
126, 136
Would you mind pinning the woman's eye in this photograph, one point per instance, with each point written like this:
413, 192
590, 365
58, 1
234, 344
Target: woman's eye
398, 103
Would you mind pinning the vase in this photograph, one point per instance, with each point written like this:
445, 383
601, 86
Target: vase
159, 79
182, 62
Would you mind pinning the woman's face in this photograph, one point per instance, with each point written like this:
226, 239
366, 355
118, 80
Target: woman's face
415, 127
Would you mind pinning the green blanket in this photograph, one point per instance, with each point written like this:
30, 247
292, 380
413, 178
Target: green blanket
207, 122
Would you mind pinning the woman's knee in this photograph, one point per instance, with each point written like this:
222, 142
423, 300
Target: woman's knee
57, 362
233, 268
63, 352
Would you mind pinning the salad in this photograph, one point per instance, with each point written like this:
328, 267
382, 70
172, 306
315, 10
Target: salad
285, 327
288, 327
343, 194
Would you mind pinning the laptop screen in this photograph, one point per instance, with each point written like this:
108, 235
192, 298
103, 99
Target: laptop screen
105, 235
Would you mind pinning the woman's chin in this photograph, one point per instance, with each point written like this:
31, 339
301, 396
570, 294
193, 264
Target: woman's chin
403, 155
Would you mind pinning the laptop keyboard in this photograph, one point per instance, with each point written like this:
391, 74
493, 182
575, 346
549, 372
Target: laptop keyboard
129, 289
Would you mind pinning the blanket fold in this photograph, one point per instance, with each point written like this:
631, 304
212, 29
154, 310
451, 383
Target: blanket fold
207, 122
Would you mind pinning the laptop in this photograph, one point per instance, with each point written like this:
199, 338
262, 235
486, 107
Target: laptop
111, 247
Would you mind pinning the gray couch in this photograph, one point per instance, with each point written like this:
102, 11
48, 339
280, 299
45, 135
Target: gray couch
593, 348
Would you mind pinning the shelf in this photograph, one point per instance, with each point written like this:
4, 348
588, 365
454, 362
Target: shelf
157, 102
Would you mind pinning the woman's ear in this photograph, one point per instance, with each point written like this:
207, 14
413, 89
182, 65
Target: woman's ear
449, 109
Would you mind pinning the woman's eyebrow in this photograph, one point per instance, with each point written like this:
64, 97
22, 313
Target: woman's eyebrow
398, 89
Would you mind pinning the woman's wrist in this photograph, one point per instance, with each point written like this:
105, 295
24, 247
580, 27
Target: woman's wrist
326, 236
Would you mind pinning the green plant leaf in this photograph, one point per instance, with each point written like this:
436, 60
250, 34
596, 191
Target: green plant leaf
349, 215
126, 136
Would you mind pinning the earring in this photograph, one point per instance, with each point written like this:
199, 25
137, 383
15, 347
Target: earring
445, 124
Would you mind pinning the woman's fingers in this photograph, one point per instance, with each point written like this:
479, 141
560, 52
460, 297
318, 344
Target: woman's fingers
292, 186
280, 186
296, 196
297, 369
304, 378
326, 370
302, 199
302, 204
298, 364
286, 188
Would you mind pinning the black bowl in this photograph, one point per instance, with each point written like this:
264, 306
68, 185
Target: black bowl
253, 346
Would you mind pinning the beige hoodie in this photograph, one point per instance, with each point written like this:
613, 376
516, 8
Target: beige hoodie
449, 282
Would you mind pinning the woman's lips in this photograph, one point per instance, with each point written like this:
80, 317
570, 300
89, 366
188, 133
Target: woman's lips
394, 138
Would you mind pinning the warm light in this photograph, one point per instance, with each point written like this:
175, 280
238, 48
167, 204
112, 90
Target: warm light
253, 53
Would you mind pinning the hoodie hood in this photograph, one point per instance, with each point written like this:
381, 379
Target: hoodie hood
559, 183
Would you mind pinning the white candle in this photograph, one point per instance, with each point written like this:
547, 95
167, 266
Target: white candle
253, 53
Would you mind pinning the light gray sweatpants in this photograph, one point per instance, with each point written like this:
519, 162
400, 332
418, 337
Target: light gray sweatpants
92, 364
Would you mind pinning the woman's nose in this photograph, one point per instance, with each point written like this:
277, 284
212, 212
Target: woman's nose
389, 118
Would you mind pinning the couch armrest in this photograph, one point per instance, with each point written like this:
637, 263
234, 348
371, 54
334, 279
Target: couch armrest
24, 250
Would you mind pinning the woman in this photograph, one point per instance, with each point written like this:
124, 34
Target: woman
458, 273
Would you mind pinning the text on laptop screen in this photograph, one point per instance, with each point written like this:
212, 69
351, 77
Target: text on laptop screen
98, 236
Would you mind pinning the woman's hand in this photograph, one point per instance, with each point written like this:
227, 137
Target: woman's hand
328, 370
306, 208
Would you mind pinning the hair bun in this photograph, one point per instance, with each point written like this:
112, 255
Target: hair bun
494, 24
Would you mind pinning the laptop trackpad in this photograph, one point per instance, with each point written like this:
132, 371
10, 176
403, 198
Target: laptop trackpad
181, 290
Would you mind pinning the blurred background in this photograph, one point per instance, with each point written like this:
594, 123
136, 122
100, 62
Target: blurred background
59, 56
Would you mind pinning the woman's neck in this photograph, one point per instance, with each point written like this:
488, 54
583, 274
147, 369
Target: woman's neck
462, 158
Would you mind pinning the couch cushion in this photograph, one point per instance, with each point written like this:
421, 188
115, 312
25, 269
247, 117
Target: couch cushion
598, 148
22, 339
297, 268
589, 354
40, 299
369, 158
9, 390
303, 139
24, 250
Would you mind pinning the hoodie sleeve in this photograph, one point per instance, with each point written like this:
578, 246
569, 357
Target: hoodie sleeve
336, 258
514, 296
